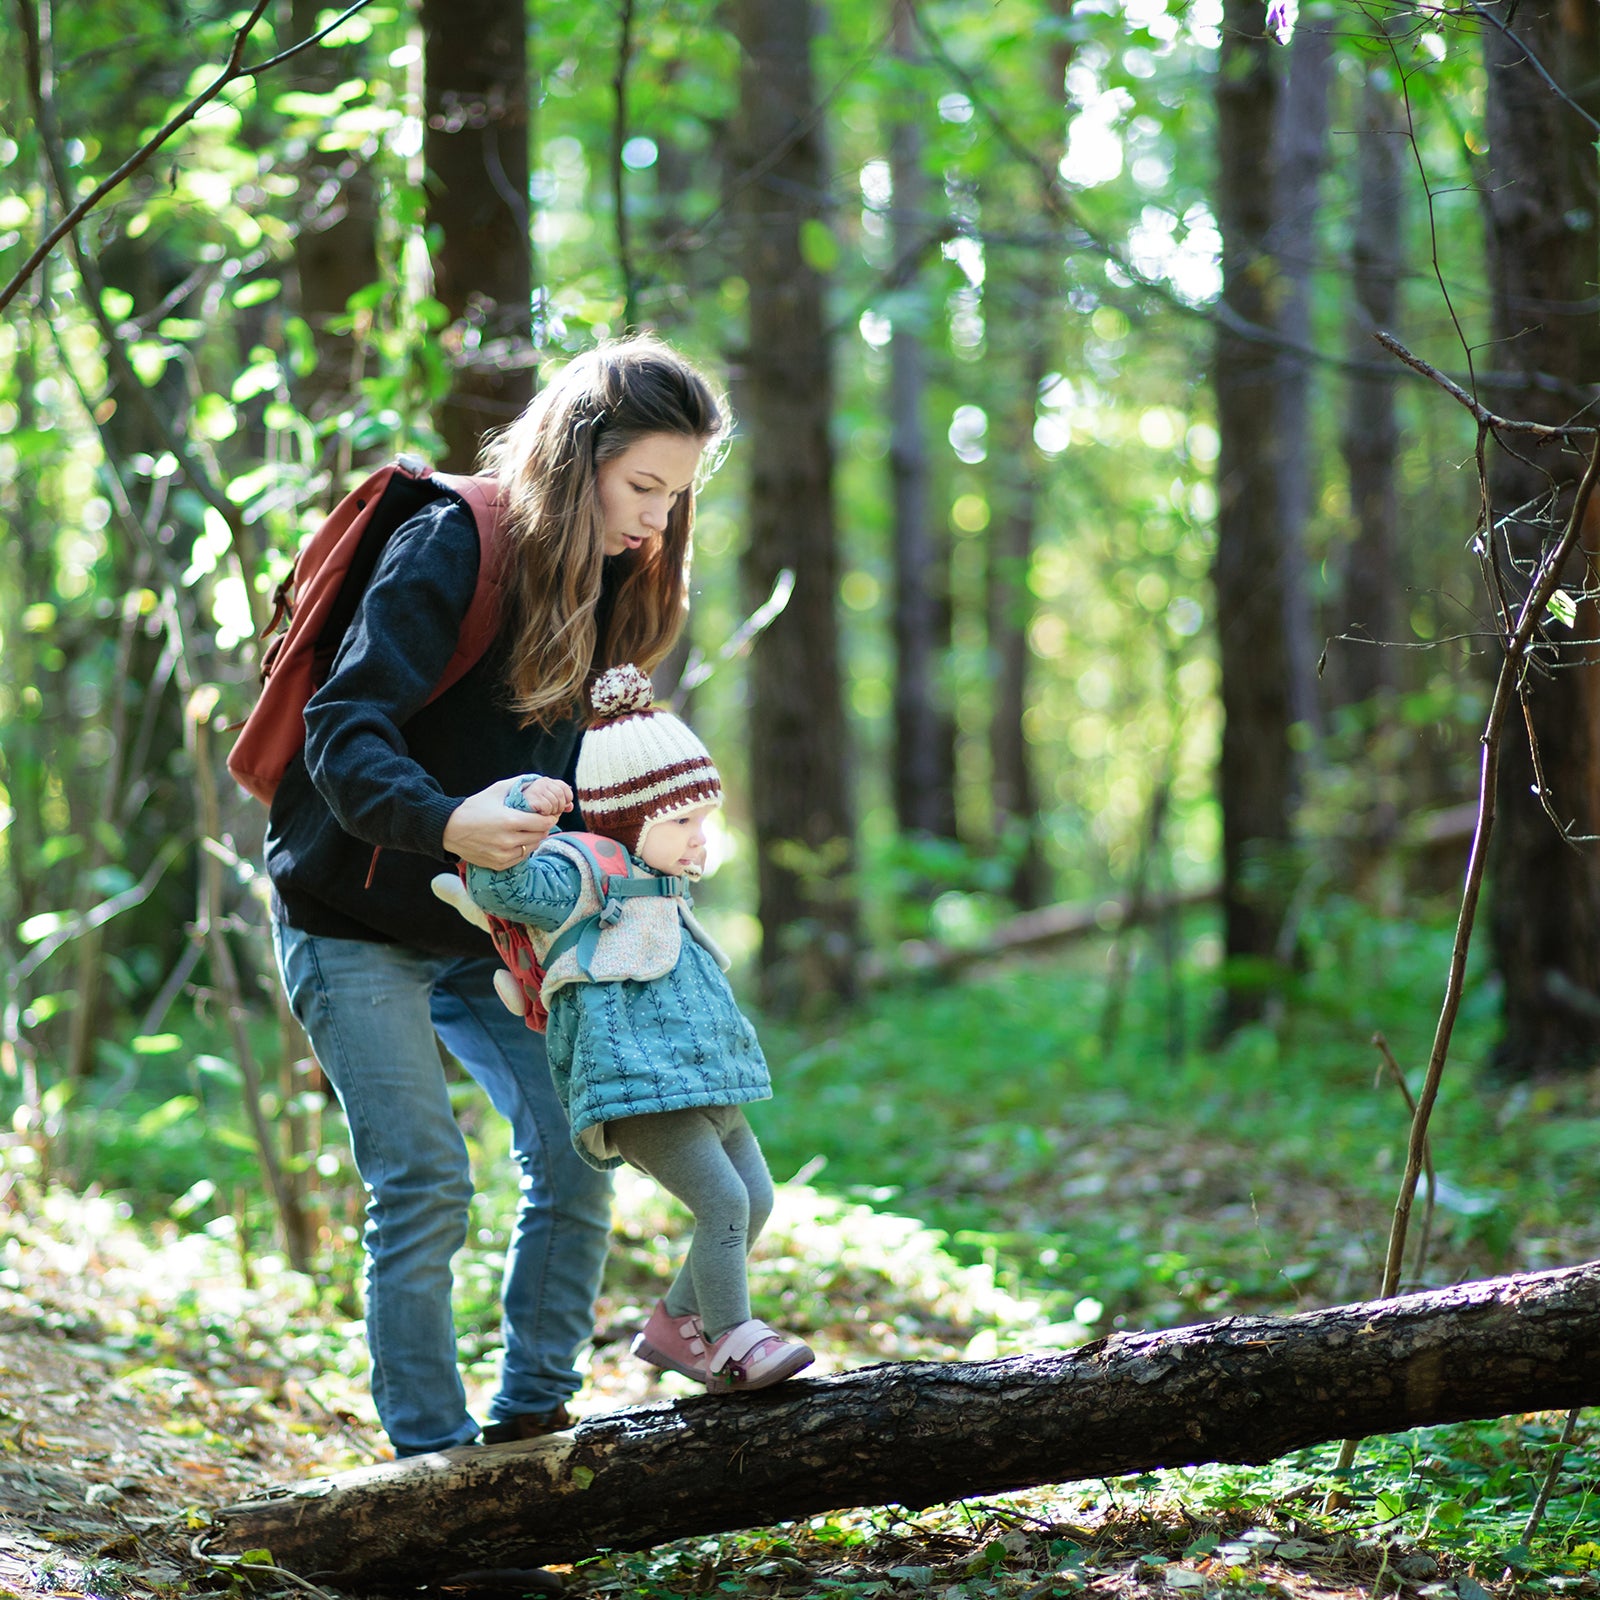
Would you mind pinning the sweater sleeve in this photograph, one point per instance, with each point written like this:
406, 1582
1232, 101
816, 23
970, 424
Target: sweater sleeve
397, 648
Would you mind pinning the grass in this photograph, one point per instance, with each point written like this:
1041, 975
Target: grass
1166, 1188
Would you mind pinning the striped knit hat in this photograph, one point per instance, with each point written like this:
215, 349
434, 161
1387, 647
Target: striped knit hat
637, 765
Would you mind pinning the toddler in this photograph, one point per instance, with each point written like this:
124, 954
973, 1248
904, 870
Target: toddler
650, 1054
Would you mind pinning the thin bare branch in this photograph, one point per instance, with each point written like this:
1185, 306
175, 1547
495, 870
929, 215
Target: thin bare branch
306, 43
233, 70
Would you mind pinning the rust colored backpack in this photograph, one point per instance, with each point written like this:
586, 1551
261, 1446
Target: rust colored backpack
316, 603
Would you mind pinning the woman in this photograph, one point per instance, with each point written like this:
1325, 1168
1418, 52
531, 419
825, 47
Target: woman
598, 475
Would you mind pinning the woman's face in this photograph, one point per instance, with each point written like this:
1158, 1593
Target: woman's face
640, 487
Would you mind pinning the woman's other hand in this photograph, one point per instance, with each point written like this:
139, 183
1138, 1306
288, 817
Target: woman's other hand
485, 832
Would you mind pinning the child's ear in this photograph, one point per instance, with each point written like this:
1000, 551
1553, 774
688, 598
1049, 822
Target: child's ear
449, 888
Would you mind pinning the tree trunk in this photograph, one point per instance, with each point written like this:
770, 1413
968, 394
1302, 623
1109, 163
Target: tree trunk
1008, 600
783, 391
1245, 1389
476, 152
1368, 603
1302, 157
1022, 298
924, 729
1544, 249
335, 246
1256, 774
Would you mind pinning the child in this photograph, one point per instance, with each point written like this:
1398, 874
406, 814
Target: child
650, 1054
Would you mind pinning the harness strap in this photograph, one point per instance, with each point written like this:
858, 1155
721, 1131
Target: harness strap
586, 934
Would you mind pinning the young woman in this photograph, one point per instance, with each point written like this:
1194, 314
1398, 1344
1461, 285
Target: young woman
599, 476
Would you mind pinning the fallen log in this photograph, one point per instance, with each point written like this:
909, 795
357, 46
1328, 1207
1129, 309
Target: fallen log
1244, 1389
1030, 931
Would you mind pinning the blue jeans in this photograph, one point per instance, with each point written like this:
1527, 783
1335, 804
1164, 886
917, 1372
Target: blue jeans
371, 1012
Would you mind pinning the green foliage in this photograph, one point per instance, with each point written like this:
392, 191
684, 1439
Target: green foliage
1168, 1183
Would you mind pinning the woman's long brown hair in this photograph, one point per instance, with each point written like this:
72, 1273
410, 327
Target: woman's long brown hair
547, 462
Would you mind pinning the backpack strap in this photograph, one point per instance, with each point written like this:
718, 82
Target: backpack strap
485, 500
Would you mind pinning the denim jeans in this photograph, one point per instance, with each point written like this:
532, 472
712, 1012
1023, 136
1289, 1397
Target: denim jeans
372, 1012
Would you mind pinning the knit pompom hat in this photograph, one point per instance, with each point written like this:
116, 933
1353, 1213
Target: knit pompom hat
637, 765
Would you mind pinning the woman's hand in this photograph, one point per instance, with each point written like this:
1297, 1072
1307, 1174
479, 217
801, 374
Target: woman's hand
485, 832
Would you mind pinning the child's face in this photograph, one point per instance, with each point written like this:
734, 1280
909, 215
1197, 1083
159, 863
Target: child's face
677, 844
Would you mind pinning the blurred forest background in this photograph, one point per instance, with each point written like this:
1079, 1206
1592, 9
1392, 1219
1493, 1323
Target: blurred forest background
1148, 613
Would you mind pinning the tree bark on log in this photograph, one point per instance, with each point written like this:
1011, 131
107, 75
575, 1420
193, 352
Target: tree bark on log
1244, 1389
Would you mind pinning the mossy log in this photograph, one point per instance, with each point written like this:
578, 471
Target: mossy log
1244, 1389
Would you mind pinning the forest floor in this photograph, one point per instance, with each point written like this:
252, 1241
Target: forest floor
145, 1382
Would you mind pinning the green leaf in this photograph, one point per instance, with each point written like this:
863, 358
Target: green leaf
1563, 608
260, 377
214, 418
818, 246
178, 1109
297, 103
148, 357
583, 1476
42, 926
302, 343
155, 1044
256, 292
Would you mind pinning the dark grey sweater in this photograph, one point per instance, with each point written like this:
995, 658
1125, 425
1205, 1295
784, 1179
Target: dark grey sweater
383, 768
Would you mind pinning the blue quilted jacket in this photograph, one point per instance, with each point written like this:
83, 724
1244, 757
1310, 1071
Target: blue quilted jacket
627, 1049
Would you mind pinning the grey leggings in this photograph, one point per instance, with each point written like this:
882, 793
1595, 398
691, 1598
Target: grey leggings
708, 1157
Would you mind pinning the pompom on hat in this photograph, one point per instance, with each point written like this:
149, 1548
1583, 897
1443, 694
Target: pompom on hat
637, 765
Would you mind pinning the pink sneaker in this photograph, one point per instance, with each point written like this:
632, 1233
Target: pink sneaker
753, 1356
676, 1343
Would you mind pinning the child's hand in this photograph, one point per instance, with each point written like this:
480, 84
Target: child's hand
548, 797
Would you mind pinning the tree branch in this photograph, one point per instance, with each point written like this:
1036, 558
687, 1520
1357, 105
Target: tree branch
1484, 416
